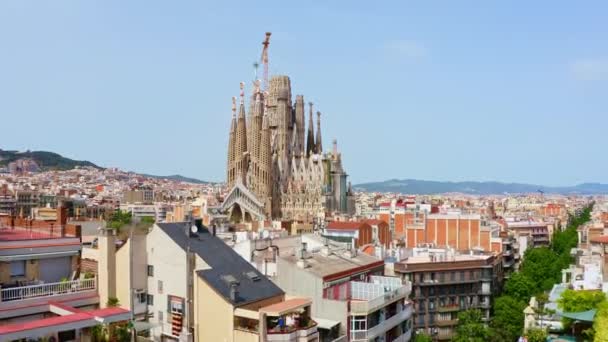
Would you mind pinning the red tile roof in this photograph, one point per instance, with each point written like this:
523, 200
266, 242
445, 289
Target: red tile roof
600, 239
42, 323
77, 316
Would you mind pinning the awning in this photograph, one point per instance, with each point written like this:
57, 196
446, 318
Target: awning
585, 316
9, 258
326, 324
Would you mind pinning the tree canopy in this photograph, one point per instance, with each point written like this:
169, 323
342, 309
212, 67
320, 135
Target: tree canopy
539, 271
471, 328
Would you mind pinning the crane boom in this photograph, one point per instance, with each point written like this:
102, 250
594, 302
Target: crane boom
264, 59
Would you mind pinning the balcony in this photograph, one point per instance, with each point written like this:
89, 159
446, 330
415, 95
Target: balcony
358, 307
294, 334
406, 337
448, 308
433, 282
381, 328
446, 323
48, 290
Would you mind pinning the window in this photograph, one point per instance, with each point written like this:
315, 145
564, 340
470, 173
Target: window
141, 297
150, 299
160, 316
150, 271
18, 268
358, 323
160, 286
175, 305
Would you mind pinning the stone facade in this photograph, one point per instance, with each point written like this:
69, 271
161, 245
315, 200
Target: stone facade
287, 172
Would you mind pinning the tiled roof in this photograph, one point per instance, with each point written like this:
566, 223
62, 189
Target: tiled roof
600, 239
224, 261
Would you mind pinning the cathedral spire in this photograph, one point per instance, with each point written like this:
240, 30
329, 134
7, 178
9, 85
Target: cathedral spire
231, 145
240, 150
300, 129
319, 144
310, 138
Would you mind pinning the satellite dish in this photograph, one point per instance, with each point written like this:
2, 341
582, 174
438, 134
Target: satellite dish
194, 229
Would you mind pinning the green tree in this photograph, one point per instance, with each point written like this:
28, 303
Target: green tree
471, 328
422, 337
536, 335
508, 321
577, 301
539, 266
119, 219
520, 287
600, 324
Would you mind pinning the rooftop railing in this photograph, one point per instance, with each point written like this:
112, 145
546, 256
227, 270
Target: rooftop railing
47, 290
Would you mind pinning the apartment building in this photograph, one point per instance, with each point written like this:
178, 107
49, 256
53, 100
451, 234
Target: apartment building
138, 196
417, 225
25, 201
445, 282
7, 201
537, 233
199, 289
43, 294
359, 233
353, 300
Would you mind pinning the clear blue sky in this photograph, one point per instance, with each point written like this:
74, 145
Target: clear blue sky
442, 90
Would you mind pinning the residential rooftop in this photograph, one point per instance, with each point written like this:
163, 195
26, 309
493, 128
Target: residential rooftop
326, 265
226, 265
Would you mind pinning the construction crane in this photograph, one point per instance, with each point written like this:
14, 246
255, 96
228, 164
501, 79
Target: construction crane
264, 60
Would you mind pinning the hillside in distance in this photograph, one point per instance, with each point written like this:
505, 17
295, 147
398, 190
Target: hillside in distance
47, 161
425, 187
179, 178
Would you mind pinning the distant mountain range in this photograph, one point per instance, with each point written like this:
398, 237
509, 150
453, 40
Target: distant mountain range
47, 161
50, 161
423, 187
179, 178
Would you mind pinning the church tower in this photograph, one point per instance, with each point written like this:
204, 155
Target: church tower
310, 138
230, 170
300, 123
264, 158
240, 141
318, 143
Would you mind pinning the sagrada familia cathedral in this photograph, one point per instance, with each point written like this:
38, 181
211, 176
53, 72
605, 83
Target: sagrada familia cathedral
277, 168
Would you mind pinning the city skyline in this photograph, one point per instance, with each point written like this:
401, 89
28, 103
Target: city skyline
420, 89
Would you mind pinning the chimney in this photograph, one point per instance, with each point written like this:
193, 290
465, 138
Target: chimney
234, 292
62, 215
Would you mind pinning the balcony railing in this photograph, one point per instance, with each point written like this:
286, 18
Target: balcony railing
448, 308
445, 323
405, 337
367, 306
47, 290
293, 333
382, 327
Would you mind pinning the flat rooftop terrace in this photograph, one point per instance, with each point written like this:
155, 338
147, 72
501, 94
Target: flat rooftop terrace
34, 233
324, 266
